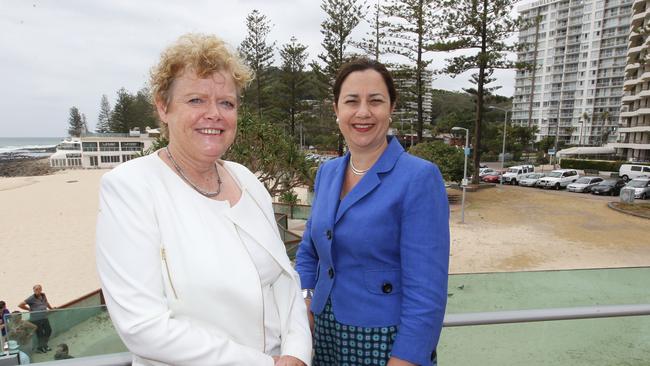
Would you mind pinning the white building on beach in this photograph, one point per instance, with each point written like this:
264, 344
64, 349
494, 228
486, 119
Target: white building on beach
102, 150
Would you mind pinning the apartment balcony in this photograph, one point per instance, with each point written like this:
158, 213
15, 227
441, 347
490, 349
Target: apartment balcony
644, 93
630, 99
634, 129
629, 145
635, 50
630, 83
636, 113
637, 19
645, 76
638, 4
633, 66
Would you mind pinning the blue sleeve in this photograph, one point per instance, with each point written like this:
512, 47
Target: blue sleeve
306, 257
424, 249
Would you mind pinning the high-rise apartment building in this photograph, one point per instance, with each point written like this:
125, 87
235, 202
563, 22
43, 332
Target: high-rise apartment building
406, 113
578, 52
634, 130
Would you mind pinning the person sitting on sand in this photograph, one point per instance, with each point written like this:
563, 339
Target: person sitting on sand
20, 330
61, 352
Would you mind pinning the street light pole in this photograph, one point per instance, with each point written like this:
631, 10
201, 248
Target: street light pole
464, 183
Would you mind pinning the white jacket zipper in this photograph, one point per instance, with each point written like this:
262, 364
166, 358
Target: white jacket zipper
163, 255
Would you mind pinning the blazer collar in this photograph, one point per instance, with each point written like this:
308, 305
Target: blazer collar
260, 234
370, 180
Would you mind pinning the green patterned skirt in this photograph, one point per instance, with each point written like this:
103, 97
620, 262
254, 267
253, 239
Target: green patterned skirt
337, 344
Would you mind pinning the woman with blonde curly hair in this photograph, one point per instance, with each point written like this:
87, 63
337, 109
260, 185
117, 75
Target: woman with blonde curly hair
192, 266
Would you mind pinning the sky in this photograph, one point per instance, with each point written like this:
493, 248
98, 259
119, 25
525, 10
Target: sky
55, 54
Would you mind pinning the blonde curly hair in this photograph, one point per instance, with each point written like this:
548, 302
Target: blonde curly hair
203, 54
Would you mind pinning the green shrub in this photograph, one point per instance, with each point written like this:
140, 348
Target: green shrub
449, 159
601, 165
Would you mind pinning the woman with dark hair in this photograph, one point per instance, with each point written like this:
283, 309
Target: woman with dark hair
374, 257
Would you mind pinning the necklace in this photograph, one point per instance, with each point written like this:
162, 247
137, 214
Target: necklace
356, 171
180, 172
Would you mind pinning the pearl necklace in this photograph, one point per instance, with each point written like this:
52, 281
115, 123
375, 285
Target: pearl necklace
180, 172
356, 171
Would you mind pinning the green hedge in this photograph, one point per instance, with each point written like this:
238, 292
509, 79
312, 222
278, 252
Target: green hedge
601, 165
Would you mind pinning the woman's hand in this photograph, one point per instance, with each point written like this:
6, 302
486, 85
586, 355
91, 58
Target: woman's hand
310, 316
288, 361
394, 361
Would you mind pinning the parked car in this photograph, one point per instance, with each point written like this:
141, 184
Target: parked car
608, 187
583, 184
641, 187
631, 171
513, 174
559, 178
494, 177
530, 179
485, 171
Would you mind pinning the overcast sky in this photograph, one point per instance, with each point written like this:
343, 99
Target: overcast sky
55, 54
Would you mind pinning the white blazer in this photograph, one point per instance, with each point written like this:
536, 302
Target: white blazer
179, 284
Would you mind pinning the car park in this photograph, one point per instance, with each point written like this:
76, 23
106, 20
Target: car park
608, 187
514, 173
583, 184
631, 171
641, 187
558, 179
530, 179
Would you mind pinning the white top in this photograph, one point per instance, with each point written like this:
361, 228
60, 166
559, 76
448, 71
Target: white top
269, 270
180, 287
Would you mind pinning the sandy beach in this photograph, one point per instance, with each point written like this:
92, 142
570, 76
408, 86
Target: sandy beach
48, 229
48, 235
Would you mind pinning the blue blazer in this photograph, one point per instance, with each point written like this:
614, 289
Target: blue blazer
381, 255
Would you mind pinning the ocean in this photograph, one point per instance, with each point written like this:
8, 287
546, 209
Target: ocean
28, 146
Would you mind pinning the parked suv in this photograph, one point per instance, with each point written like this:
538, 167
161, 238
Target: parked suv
514, 173
559, 178
631, 171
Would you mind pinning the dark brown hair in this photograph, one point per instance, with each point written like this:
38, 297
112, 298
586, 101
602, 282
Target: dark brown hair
362, 64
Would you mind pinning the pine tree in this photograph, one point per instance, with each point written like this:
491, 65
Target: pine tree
75, 123
258, 54
484, 26
342, 17
104, 119
374, 44
293, 80
121, 117
412, 33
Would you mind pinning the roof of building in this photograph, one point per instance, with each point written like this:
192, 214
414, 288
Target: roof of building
586, 150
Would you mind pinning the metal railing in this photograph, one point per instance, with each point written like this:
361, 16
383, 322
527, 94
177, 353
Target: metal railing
451, 320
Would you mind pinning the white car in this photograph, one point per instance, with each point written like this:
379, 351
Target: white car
485, 171
559, 178
514, 173
530, 179
583, 184
641, 187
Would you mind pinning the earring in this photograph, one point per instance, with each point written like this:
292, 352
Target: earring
390, 119
337, 121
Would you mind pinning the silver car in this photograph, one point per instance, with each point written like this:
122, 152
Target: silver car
641, 187
584, 184
530, 179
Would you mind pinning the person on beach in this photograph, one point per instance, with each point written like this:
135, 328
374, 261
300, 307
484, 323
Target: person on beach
374, 256
62, 352
3, 313
192, 266
20, 330
38, 306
